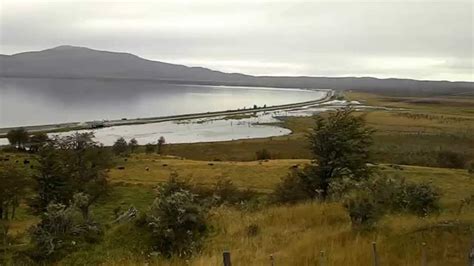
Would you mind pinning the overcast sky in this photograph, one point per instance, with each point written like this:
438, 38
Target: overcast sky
408, 39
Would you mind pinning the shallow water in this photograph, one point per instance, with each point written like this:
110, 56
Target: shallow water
189, 131
25, 102
206, 129
260, 125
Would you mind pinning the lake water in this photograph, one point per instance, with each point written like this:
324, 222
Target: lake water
25, 102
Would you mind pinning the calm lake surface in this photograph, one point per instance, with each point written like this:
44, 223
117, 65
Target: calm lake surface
25, 102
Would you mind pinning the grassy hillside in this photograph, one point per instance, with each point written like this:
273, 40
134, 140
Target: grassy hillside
294, 235
262, 176
409, 142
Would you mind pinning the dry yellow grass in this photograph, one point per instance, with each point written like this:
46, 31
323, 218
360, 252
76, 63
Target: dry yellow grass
458, 105
264, 175
296, 235
258, 175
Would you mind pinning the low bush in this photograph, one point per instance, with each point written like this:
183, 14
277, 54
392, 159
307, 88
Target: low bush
470, 167
339, 188
420, 199
173, 185
371, 199
263, 154
225, 192
177, 222
61, 231
150, 148
291, 189
363, 209
253, 230
451, 159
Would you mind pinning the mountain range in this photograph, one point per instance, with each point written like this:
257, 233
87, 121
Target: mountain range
80, 62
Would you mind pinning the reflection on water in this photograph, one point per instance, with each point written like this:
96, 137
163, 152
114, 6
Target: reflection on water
48, 101
206, 129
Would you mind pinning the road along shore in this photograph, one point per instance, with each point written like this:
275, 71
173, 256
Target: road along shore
61, 127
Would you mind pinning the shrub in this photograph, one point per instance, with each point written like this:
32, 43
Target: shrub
420, 199
263, 154
373, 198
290, 190
4, 238
150, 148
61, 231
383, 189
470, 167
362, 209
253, 230
450, 159
339, 188
172, 186
177, 222
225, 192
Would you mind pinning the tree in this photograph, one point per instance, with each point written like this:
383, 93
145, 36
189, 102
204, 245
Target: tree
133, 144
340, 145
52, 184
38, 140
70, 165
161, 144
120, 147
14, 184
18, 137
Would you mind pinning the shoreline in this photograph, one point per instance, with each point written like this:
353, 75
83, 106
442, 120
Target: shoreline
63, 127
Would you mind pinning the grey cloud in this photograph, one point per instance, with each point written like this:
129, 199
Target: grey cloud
316, 37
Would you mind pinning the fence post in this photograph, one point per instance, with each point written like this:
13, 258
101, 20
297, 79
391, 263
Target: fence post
423, 254
322, 258
272, 260
471, 254
374, 254
226, 258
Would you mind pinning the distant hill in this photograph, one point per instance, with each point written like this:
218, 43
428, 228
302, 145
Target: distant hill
80, 62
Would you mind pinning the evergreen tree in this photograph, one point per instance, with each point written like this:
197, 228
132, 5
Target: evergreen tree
120, 147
